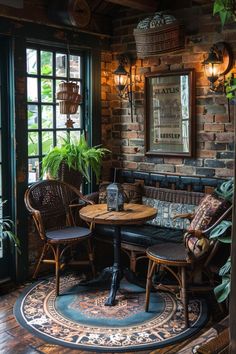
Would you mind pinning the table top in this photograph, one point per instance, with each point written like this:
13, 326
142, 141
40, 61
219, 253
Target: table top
132, 214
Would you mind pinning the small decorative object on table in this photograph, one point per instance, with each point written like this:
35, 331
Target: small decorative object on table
115, 196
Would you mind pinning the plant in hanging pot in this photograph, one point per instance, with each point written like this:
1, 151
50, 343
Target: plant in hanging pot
72, 157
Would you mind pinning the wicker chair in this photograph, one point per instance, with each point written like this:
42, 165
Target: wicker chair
176, 259
52, 204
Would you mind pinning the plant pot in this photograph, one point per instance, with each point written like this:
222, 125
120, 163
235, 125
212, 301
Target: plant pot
70, 176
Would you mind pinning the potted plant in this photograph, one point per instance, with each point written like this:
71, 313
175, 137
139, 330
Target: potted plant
74, 156
6, 229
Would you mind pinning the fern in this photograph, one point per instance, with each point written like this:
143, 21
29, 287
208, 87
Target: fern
77, 155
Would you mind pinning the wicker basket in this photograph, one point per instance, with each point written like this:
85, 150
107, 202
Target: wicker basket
153, 41
69, 97
68, 107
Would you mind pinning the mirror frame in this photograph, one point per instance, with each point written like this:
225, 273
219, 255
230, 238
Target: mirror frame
149, 111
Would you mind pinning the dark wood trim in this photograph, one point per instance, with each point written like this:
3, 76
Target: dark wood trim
147, 5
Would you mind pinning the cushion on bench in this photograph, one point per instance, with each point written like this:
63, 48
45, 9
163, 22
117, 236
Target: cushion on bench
141, 235
166, 211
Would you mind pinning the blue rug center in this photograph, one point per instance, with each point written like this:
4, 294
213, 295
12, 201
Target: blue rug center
87, 306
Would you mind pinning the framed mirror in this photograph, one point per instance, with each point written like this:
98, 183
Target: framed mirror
169, 112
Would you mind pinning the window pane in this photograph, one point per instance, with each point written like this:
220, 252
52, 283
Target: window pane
74, 66
46, 90
33, 166
32, 116
75, 135
60, 119
32, 64
61, 137
47, 141
46, 63
32, 89
47, 117
76, 118
61, 64
33, 145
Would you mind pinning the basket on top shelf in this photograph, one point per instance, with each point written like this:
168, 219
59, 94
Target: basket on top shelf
69, 97
157, 34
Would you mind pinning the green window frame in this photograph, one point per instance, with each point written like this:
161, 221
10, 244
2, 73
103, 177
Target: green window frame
46, 68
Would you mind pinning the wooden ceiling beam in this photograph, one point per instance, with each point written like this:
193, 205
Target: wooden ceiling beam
142, 5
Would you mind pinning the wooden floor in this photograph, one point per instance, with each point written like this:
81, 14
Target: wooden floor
16, 340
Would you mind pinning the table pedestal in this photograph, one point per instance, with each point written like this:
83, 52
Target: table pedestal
116, 270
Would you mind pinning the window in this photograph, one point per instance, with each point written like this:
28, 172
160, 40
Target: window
46, 126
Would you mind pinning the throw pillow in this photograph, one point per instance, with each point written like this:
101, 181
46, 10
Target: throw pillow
132, 192
209, 210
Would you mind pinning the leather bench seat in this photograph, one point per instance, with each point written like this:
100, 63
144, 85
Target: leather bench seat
141, 235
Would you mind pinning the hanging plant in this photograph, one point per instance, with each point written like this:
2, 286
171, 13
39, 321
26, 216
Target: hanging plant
225, 9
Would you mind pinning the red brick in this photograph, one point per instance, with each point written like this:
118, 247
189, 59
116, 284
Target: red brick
205, 137
129, 135
225, 137
128, 164
173, 161
214, 127
206, 153
224, 172
221, 118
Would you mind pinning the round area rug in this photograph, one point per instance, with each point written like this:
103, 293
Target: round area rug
79, 319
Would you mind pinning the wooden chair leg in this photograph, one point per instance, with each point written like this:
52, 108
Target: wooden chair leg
133, 261
151, 268
57, 268
184, 295
44, 251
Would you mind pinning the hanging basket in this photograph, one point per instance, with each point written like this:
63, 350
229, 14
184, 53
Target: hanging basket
69, 97
158, 34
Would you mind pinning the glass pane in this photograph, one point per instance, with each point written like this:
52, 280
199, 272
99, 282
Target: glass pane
47, 141
46, 63
60, 119
47, 117
75, 135
46, 90
32, 116
61, 137
61, 64
74, 66
33, 145
76, 118
33, 166
32, 64
32, 89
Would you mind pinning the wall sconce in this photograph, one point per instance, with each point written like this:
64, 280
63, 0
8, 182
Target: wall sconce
218, 63
123, 80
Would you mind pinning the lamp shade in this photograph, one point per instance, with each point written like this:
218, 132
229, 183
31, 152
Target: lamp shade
120, 77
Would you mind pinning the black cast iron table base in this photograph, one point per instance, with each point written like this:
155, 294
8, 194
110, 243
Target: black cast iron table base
114, 273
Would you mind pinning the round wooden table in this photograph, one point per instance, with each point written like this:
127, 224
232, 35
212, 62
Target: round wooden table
132, 214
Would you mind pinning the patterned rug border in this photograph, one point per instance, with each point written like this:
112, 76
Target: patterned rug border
52, 340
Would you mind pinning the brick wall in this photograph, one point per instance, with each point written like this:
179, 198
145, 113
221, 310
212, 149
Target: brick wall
214, 117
